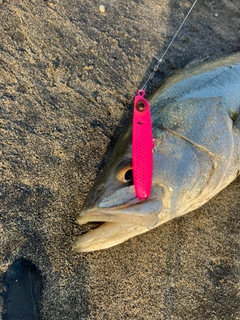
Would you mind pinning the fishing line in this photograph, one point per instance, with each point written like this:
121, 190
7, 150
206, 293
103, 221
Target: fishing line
159, 61
142, 141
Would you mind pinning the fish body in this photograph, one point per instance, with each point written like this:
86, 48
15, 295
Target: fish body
196, 124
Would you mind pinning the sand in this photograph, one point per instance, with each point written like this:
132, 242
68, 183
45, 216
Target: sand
68, 73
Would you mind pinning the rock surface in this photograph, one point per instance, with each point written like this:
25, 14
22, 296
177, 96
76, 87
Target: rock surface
68, 73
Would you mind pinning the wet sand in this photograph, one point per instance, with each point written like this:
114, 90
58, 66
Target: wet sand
67, 80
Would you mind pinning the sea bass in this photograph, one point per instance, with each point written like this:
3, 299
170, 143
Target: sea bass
196, 124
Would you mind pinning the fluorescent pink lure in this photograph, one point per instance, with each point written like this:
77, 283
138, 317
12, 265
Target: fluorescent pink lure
142, 144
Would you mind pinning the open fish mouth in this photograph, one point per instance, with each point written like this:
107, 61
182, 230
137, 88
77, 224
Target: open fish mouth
121, 222
127, 213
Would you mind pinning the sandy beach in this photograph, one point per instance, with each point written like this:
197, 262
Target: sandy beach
68, 75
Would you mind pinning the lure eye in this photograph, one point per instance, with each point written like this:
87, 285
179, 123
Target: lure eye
124, 173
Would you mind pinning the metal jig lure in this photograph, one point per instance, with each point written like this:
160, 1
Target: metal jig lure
142, 143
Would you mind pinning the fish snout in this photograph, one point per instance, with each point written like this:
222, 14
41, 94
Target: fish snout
122, 222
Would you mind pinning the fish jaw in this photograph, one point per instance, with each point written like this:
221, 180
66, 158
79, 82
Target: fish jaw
107, 235
140, 213
122, 222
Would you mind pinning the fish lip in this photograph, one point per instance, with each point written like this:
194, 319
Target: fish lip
130, 203
121, 214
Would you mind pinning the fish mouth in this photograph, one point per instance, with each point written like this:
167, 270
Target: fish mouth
120, 223
134, 212
105, 236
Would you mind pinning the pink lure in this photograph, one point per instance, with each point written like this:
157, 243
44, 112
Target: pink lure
142, 144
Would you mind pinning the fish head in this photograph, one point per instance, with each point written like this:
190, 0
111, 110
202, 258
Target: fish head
195, 123
112, 200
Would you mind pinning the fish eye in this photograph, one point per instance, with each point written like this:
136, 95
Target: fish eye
124, 172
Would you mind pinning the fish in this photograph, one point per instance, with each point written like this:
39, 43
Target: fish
196, 154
